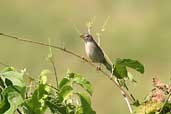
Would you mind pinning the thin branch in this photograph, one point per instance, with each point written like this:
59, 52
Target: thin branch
128, 103
54, 69
71, 53
19, 111
53, 87
126, 99
3, 64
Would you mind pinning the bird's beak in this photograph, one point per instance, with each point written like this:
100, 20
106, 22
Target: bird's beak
82, 36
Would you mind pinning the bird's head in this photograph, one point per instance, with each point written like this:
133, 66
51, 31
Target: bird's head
86, 37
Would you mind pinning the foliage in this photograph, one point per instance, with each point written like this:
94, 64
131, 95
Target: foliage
67, 99
121, 72
158, 101
120, 67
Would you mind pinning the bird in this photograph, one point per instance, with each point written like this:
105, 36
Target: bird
96, 55
94, 51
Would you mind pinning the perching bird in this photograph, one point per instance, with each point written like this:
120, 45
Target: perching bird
94, 52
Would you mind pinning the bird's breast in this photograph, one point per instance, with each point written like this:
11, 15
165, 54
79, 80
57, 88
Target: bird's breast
93, 52
90, 49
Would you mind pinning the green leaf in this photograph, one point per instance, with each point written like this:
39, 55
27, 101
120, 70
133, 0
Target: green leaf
15, 77
136, 103
14, 98
2, 84
43, 76
36, 104
80, 80
65, 92
59, 107
131, 63
14, 90
85, 104
4, 104
56, 105
6, 69
120, 71
65, 82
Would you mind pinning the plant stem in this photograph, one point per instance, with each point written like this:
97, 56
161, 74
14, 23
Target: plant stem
128, 103
54, 69
19, 111
3, 64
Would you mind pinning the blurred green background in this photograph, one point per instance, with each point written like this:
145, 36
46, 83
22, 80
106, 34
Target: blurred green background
137, 29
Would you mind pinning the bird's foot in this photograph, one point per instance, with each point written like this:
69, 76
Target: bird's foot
84, 59
98, 68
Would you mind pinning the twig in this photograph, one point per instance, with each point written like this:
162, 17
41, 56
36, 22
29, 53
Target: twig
71, 53
128, 103
19, 111
53, 87
89, 24
54, 69
3, 64
125, 98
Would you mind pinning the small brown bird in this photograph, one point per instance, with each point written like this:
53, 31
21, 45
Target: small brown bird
94, 52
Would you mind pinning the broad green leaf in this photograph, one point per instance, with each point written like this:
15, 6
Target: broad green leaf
136, 103
56, 105
85, 104
4, 104
13, 95
15, 77
65, 82
120, 71
36, 104
65, 92
43, 76
2, 84
14, 98
78, 79
6, 69
131, 63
